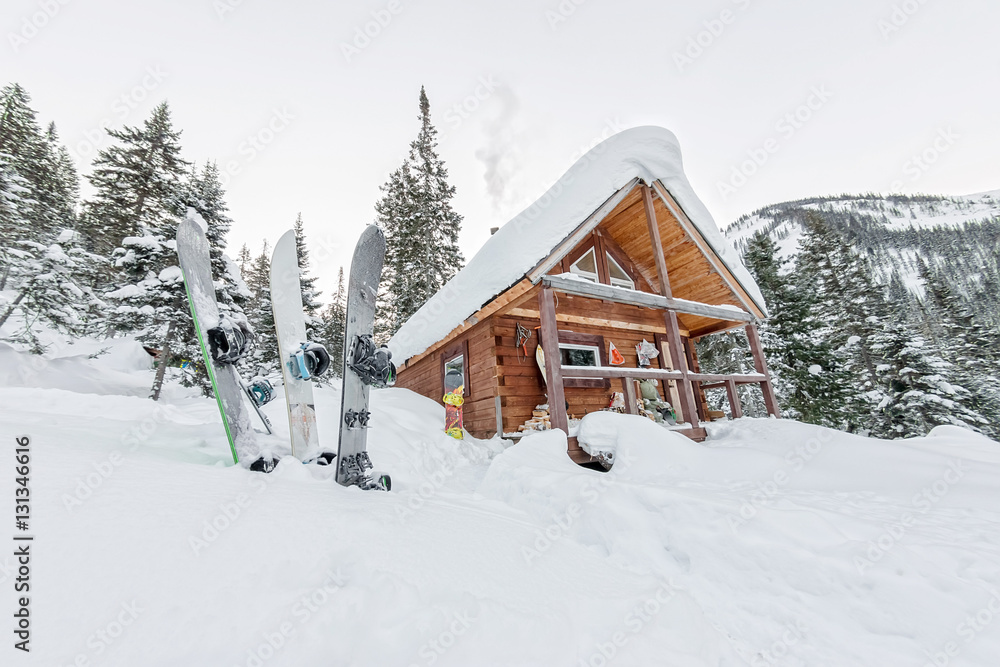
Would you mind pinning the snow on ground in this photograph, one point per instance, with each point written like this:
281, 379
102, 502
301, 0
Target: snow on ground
773, 543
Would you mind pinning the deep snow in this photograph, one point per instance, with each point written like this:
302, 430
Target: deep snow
773, 543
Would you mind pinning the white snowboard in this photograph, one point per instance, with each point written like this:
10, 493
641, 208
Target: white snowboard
290, 324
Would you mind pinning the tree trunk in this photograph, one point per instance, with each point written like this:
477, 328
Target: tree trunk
161, 370
3, 281
13, 306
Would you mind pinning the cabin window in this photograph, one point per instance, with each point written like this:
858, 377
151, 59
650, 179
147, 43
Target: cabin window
586, 266
580, 355
585, 351
619, 277
455, 368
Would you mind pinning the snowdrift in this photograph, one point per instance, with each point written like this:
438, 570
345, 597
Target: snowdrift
773, 543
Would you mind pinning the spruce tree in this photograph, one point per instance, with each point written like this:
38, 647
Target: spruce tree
421, 227
310, 295
808, 378
334, 326
264, 358
137, 181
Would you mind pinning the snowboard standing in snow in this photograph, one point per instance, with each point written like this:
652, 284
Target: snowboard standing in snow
300, 360
454, 387
222, 342
260, 392
365, 365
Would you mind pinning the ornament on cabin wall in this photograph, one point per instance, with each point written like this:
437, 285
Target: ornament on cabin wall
646, 352
616, 357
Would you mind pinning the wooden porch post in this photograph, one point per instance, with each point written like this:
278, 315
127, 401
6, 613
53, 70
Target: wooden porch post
553, 360
677, 353
631, 399
734, 399
760, 365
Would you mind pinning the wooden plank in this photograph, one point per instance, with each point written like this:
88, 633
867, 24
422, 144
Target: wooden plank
654, 236
553, 368
717, 263
613, 372
677, 356
631, 297
739, 378
759, 363
628, 385
735, 407
581, 232
591, 321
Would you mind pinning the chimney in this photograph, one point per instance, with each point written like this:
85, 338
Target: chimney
494, 230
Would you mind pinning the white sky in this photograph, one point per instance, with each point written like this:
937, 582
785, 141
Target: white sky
227, 67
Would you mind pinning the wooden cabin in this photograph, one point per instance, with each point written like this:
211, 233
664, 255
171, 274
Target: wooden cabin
619, 251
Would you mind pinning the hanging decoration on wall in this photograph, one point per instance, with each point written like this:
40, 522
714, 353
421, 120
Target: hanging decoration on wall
646, 352
615, 356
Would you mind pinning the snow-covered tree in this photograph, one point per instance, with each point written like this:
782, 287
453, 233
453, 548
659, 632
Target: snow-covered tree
137, 181
421, 227
310, 295
807, 375
334, 326
264, 358
921, 390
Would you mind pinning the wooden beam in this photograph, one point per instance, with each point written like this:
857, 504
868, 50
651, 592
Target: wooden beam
770, 400
590, 321
633, 298
553, 366
679, 359
581, 232
628, 385
611, 372
739, 378
735, 407
654, 236
707, 249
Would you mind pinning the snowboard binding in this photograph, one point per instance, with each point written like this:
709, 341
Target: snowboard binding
355, 419
372, 364
261, 391
310, 360
230, 340
354, 472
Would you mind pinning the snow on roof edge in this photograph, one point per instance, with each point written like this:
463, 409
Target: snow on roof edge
648, 153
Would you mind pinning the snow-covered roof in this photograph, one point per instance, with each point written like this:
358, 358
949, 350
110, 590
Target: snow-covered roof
648, 153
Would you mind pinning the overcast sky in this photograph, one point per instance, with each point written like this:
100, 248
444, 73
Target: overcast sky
826, 97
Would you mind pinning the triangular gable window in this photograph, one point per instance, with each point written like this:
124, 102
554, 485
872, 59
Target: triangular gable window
586, 266
619, 278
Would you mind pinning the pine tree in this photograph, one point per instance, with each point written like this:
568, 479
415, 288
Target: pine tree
264, 358
243, 261
310, 295
849, 305
137, 182
204, 192
808, 378
334, 326
421, 227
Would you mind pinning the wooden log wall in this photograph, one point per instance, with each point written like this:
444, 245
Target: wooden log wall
425, 378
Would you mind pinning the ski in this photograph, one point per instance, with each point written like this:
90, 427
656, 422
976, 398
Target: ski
222, 341
365, 365
300, 359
